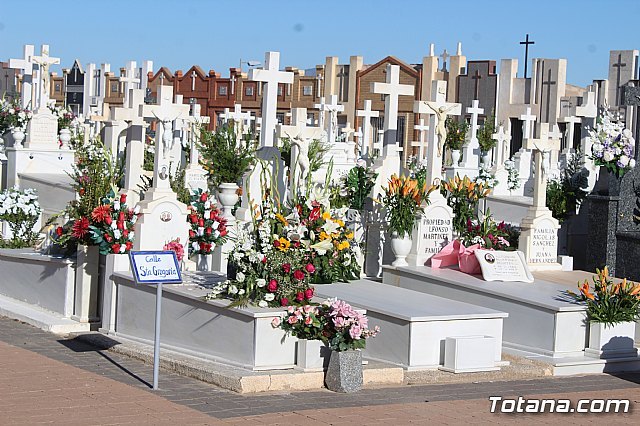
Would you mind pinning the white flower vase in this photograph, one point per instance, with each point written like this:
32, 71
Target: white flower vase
455, 157
312, 355
204, 262
65, 136
401, 247
18, 136
228, 196
486, 159
613, 341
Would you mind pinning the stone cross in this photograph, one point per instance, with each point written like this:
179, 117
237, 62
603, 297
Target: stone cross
471, 150
503, 138
438, 108
195, 176
347, 131
322, 108
238, 116
129, 79
528, 119
444, 57
547, 83
366, 114
477, 78
131, 112
165, 113
333, 108
571, 122
25, 66
194, 75
619, 65
588, 107
97, 119
392, 89
421, 143
541, 146
270, 76
359, 143
44, 61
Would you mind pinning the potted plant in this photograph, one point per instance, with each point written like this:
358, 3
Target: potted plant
612, 310
227, 158
208, 228
403, 201
15, 119
65, 119
612, 149
346, 331
462, 196
21, 211
485, 139
306, 323
456, 137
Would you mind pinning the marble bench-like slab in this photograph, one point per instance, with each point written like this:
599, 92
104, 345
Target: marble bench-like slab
209, 329
542, 320
415, 325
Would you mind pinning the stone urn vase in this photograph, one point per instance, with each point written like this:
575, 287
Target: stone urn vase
204, 262
611, 340
401, 248
18, 136
486, 158
344, 373
455, 157
607, 183
312, 354
228, 196
65, 136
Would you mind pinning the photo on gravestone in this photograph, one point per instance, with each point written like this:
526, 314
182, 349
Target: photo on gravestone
503, 266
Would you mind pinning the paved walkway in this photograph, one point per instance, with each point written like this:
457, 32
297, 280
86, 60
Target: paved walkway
47, 379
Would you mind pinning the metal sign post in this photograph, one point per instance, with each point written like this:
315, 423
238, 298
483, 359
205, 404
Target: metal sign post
156, 268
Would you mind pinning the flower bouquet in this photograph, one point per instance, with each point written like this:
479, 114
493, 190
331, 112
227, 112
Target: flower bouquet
344, 327
612, 145
463, 196
112, 225
489, 234
13, 117
303, 322
403, 199
208, 227
21, 210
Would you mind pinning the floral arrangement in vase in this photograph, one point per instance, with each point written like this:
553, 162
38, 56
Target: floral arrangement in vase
489, 234
285, 250
462, 196
303, 322
354, 187
21, 210
112, 225
486, 178
176, 247
403, 199
513, 181
65, 116
13, 117
456, 134
608, 302
208, 227
612, 144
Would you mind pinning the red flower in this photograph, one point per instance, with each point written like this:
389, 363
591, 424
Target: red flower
212, 215
125, 233
108, 238
81, 192
120, 225
123, 198
115, 248
296, 244
80, 228
129, 245
208, 231
298, 275
121, 216
193, 218
192, 233
284, 302
310, 268
272, 286
223, 233
308, 293
276, 243
286, 268
59, 231
203, 197
299, 296
264, 259
108, 220
200, 222
100, 213
315, 214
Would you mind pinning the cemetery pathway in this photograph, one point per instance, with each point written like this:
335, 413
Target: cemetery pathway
49, 379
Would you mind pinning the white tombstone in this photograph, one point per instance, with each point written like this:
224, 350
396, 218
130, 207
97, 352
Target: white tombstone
270, 76
503, 138
539, 236
195, 176
367, 139
333, 108
523, 157
163, 217
471, 150
130, 80
25, 66
588, 111
322, 109
553, 157
527, 125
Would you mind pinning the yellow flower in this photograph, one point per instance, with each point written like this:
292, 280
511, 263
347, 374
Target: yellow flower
323, 236
340, 222
343, 245
326, 215
284, 244
281, 219
350, 235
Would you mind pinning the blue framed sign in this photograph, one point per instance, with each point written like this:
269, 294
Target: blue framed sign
155, 267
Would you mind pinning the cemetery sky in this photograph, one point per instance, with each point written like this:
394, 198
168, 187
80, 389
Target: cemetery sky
217, 35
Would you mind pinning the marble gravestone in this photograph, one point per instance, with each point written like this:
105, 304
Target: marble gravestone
195, 176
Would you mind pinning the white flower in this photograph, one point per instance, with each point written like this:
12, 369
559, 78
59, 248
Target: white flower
607, 156
117, 234
261, 282
123, 248
114, 225
195, 246
240, 277
237, 256
207, 204
624, 160
241, 292
116, 205
263, 304
136, 210
232, 289
632, 163
215, 224
269, 297
132, 235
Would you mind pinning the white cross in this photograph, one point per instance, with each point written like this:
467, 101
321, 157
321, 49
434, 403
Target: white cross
193, 81
347, 130
503, 138
438, 109
588, 108
270, 76
131, 112
571, 122
26, 69
392, 89
333, 108
421, 142
194, 121
366, 115
528, 119
130, 80
542, 146
358, 135
165, 112
475, 110
322, 108
44, 61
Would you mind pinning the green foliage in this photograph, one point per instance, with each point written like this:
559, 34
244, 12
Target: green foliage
226, 158
403, 201
317, 151
456, 133
609, 303
485, 138
567, 193
354, 188
463, 196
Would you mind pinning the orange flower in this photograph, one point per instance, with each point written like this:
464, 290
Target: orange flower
585, 291
100, 213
